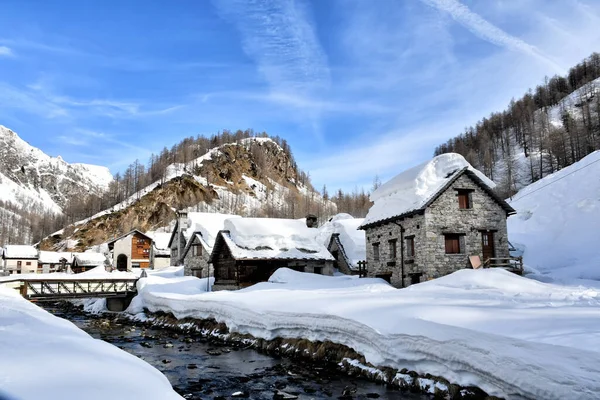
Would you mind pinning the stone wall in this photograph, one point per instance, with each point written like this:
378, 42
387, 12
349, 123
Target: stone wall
387, 264
197, 265
444, 216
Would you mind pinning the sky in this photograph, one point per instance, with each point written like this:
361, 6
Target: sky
358, 88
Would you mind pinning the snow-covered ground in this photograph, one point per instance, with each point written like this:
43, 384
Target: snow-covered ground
558, 221
509, 335
45, 357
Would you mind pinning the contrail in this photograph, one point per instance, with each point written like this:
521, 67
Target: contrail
487, 31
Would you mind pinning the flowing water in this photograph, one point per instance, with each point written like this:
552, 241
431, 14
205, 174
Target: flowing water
199, 369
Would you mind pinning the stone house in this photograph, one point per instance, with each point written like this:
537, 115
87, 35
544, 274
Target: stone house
427, 221
192, 240
249, 250
20, 259
131, 250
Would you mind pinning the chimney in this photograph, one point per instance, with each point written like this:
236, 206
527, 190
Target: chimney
311, 221
182, 219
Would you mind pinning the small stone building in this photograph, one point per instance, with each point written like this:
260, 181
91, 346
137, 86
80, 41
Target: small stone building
249, 250
345, 242
20, 259
131, 250
427, 221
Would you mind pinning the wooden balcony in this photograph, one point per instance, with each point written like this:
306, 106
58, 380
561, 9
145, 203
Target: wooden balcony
512, 264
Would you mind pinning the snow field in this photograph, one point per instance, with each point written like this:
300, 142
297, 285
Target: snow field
511, 336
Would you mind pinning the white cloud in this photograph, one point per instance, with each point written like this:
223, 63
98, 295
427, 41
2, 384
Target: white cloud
279, 36
6, 52
487, 31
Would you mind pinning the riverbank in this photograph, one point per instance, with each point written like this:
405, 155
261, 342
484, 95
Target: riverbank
508, 335
45, 357
205, 366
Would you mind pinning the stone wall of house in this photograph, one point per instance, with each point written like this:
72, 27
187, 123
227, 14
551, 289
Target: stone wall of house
197, 266
387, 264
444, 216
178, 241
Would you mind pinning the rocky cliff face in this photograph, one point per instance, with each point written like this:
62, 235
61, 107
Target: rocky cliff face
253, 177
31, 178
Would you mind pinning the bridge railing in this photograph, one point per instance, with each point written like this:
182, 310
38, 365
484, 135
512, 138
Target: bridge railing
51, 289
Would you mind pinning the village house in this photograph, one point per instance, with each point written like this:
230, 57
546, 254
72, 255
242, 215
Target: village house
160, 253
52, 261
83, 262
249, 250
131, 250
20, 259
345, 242
435, 219
204, 228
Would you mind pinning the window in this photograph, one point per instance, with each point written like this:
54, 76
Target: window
392, 244
376, 251
452, 243
197, 250
318, 270
19, 263
415, 278
464, 199
28, 263
385, 277
410, 247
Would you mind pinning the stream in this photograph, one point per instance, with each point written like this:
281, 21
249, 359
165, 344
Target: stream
199, 369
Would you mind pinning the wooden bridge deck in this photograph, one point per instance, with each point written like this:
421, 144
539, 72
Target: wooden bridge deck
60, 289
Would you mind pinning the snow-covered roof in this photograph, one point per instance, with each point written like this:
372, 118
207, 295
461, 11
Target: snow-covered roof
89, 258
207, 225
20, 251
352, 240
273, 238
160, 241
413, 189
133, 232
53, 257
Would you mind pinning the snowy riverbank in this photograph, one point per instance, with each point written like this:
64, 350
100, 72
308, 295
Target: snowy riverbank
46, 357
508, 335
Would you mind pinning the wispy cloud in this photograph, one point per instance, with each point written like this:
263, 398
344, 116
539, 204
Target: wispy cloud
6, 52
487, 31
279, 36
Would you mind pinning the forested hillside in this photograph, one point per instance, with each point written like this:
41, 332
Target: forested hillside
549, 128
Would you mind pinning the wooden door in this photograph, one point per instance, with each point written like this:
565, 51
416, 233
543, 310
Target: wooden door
487, 245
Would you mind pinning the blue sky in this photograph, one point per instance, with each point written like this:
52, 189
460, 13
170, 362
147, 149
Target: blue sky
357, 87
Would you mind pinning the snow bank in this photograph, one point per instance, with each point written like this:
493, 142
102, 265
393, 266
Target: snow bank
412, 189
507, 334
273, 238
557, 221
45, 357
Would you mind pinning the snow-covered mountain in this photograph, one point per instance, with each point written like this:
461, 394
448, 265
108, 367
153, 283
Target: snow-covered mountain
253, 177
37, 182
558, 222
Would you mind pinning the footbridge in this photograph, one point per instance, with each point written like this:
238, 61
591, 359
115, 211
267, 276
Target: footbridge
118, 292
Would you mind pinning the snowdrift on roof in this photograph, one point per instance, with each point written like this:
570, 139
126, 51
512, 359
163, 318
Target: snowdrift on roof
558, 220
20, 251
273, 238
207, 224
412, 189
352, 239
